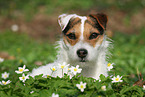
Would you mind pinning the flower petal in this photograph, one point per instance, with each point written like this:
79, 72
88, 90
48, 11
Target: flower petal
78, 85
82, 90
24, 67
23, 74
20, 78
77, 66
118, 76
18, 72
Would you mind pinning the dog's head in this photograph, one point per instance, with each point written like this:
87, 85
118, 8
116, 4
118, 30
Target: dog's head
82, 35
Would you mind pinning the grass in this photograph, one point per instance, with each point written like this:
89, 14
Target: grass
25, 50
128, 54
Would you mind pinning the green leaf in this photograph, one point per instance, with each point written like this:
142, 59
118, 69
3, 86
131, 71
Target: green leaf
37, 77
132, 90
34, 94
18, 86
67, 92
109, 92
102, 77
88, 93
45, 93
3, 94
30, 81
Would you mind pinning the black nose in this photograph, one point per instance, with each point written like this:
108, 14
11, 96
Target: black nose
82, 53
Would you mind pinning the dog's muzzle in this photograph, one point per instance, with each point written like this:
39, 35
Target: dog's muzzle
82, 53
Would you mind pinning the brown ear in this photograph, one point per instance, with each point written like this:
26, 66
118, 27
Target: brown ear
101, 18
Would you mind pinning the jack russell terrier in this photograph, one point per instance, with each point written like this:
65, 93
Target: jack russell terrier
83, 43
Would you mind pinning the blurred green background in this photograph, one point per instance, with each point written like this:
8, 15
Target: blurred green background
29, 29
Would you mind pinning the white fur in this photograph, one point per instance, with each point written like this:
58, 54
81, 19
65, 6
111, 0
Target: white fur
95, 61
64, 19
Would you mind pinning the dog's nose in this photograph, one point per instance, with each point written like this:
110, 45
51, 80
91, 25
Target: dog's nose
82, 53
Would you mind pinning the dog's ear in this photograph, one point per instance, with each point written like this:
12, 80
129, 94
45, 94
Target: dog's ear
101, 19
64, 19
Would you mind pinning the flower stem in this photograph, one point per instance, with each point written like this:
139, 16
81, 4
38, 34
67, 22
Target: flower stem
62, 72
52, 73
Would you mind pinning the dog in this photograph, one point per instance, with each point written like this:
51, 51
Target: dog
83, 43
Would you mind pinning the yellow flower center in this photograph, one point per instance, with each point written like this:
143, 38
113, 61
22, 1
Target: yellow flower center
117, 79
21, 70
62, 66
75, 69
109, 64
5, 76
53, 69
4, 83
47, 76
69, 69
81, 86
23, 77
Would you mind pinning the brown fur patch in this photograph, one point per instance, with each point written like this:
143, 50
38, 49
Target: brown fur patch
75, 29
89, 28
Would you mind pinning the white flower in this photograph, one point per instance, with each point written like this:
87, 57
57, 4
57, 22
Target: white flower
81, 86
75, 70
55, 95
23, 78
63, 65
111, 76
21, 70
143, 87
70, 74
5, 75
31, 92
5, 82
103, 88
53, 68
110, 66
14, 27
117, 79
1, 60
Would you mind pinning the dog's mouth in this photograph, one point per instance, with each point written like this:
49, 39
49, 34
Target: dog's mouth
82, 60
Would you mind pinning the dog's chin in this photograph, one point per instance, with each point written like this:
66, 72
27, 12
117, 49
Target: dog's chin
83, 60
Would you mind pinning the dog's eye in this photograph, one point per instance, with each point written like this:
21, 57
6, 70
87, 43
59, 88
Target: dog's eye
93, 36
71, 36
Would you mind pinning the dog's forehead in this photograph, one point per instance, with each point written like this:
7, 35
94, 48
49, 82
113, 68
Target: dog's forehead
98, 21
66, 19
